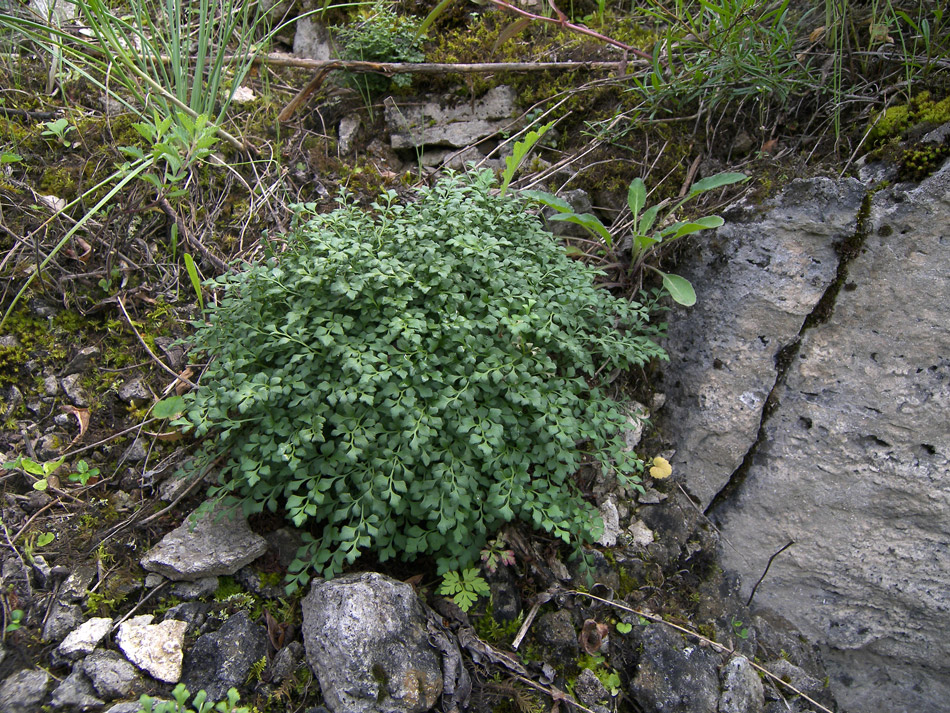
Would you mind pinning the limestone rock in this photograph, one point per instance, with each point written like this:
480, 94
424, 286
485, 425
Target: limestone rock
855, 468
311, 39
62, 619
432, 124
756, 283
367, 641
74, 390
589, 690
24, 691
208, 543
223, 659
84, 639
555, 631
154, 648
135, 392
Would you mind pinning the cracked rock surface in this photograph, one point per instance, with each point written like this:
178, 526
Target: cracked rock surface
852, 462
757, 281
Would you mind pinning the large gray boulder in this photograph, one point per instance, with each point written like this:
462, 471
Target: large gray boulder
367, 640
851, 460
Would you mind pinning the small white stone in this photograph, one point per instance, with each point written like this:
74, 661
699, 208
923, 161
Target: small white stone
154, 648
641, 534
84, 639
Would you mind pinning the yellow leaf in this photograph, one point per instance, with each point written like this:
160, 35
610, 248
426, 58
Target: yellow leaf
661, 469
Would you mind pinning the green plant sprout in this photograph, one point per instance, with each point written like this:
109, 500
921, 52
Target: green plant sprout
520, 151
40, 472
16, 621
83, 473
495, 553
59, 130
464, 586
199, 704
647, 236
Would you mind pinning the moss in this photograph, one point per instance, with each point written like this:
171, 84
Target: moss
922, 111
918, 163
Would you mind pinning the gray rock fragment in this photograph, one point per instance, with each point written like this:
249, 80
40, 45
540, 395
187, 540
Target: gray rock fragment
742, 690
75, 693
82, 362
311, 39
111, 675
674, 676
209, 543
367, 641
135, 392
223, 659
286, 662
24, 691
555, 631
432, 124
74, 390
589, 690
62, 619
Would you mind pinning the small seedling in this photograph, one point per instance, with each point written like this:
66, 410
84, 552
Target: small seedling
496, 553
40, 471
624, 627
83, 473
16, 620
59, 130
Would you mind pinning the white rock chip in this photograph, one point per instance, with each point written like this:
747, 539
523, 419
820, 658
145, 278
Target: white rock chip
154, 648
84, 639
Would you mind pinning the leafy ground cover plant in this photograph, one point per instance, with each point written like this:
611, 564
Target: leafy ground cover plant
408, 380
380, 35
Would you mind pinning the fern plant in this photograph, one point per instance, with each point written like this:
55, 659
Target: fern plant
407, 380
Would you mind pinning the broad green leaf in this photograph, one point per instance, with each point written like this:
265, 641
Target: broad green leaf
588, 221
645, 242
550, 200
649, 218
679, 288
681, 229
169, 408
432, 17
195, 280
636, 199
519, 152
44, 538
717, 181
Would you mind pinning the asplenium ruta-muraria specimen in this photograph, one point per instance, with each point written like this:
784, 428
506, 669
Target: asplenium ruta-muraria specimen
406, 380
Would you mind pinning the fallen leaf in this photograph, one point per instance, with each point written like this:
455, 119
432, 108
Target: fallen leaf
82, 415
182, 387
592, 636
